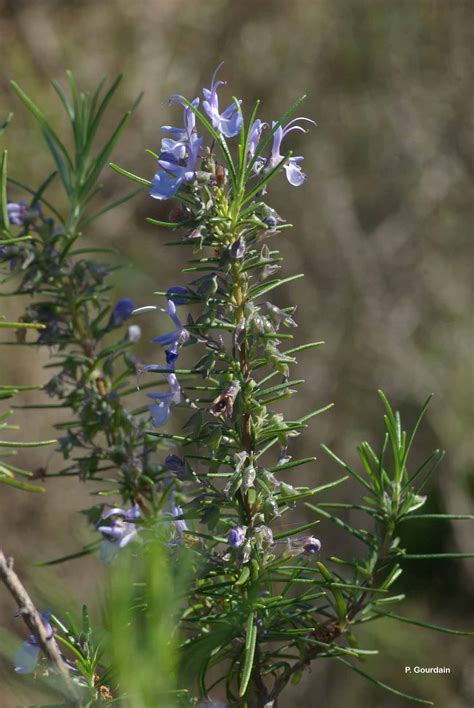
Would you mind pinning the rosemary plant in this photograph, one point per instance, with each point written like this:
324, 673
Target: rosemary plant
252, 601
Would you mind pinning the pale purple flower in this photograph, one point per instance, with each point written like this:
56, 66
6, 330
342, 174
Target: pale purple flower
182, 134
229, 122
27, 655
254, 136
17, 212
180, 524
161, 409
178, 155
118, 528
294, 173
175, 171
312, 545
264, 536
279, 316
236, 536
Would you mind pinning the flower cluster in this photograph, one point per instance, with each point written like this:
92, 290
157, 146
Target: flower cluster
171, 342
181, 150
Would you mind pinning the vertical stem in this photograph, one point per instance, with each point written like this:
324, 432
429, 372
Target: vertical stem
239, 295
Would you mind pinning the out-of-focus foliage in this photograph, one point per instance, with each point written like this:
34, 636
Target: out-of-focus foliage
382, 234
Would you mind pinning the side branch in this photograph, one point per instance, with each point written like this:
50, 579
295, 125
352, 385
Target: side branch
33, 621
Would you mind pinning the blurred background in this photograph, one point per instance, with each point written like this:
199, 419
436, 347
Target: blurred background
381, 230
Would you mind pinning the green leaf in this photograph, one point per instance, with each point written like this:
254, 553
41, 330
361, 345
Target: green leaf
101, 159
329, 485
22, 325
64, 100
244, 141
170, 224
415, 428
294, 531
4, 124
250, 644
130, 175
302, 347
444, 517
96, 119
278, 387
388, 600
435, 459
429, 556
4, 220
354, 474
313, 414
383, 685
243, 577
86, 625
16, 470
269, 285
40, 443
101, 212
293, 463
338, 596
418, 623
11, 482
392, 576
85, 551
339, 522
42, 188
63, 170
42, 120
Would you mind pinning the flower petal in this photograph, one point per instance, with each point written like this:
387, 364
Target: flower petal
26, 658
160, 413
294, 173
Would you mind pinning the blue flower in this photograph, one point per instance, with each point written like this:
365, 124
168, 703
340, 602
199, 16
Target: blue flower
174, 172
175, 463
27, 655
178, 294
294, 173
236, 536
229, 122
172, 340
119, 530
161, 411
122, 311
178, 156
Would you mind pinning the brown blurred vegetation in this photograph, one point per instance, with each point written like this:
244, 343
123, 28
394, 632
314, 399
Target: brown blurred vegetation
381, 230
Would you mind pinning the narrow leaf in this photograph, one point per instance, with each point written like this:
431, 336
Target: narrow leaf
250, 643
